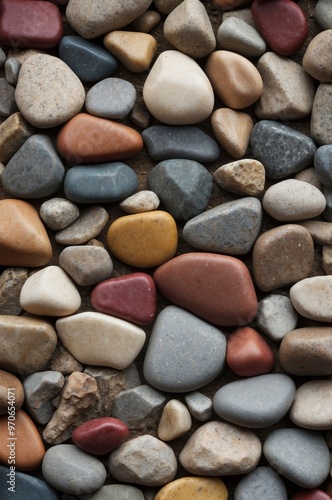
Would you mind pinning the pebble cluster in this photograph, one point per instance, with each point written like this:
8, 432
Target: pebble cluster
165, 249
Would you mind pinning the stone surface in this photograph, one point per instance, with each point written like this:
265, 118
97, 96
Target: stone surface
196, 488
166, 6
146, 21
321, 232
243, 177
87, 264
317, 59
39, 389
199, 405
13, 133
276, 316
11, 392
309, 175
62, 361
58, 213
322, 163
11, 281
320, 125
327, 258
236, 35
100, 435
310, 297
12, 69
232, 130
88, 225
311, 408
263, 483
111, 98
143, 201
7, 98
118, 491
323, 14
27, 487
175, 421
244, 14
134, 50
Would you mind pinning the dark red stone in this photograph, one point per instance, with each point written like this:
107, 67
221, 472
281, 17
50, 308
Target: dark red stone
282, 24
131, 297
30, 24
100, 435
310, 495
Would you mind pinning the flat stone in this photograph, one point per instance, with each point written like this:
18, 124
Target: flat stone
175, 421
11, 281
11, 392
311, 408
177, 91
39, 389
244, 177
48, 93
282, 150
94, 338
7, 98
235, 450
263, 483
57, 470
317, 58
323, 14
282, 256
13, 133
12, 69
90, 139
26, 486
310, 297
133, 49
88, 225
146, 21
166, 142
199, 405
143, 201
178, 363
100, 435
87, 264
236, 35
299, 455
276, 316
58, 213
183, 186
309, 175
320, 125
232, 130
217, 288
35, 170
327, 258
235, 79
322, 163
143, 240
111, 98
196, 488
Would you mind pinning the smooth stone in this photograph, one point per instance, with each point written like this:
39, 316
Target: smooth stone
235, 79
3, 57
90, 62
11, 392
118, 491
20, 442
50, 292
310, 298
311, 408
146, 21
321, 232
57, 469
309, 175
143, 240
178, 363
35, 170
103, 183
143, 460
13, 133
195, 488
311, 495
58, 213
103, 16
307, 351
244, 14
140, 116
12, 69
166, 6
90, 139
322, 164
87, 265
288, 91
143, 201
299, 455
320, 125
48, 93
39, 389
217, 288
199, 405
97, 339
11, 281
323, 14
183, 186
276, 316
177, 91
317, 59
133, 49
36, 25
327, 258
100, 435
282, 256
175, 421
88, 225
235, 450
232, 130
166, 142
26, 487
188, 28
263, 483
7, 98
23, 239
236, 35
111, 98
131, 297
231, 228
243, 177
282, 24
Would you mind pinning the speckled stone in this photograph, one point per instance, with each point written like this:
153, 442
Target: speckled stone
199, 405
323, 14
244, 177
7, 98
111, 98
276, 316
195, 488
322, 163
87, 264
320, 125
263, 483
88, 225
26, 487
232, 130
311, 408
134, 50
310, 297
317, 59
236, 35
58, 213
11, 281
143, 201
13, 133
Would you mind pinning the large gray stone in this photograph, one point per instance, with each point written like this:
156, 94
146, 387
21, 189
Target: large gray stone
40, 388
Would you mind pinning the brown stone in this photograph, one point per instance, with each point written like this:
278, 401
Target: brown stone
146, 21
232, 130
327, 258
243, 177
134, 50
11, 282
11, 391
317, 60
13, 133
62, 361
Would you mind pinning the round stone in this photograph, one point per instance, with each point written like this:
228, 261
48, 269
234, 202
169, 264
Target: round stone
311, 408
111, 98
311, 298
100, 435
87, 264
242, 177
317, 59
58, 213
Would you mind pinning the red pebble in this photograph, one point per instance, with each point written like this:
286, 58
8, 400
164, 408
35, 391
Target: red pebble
282, 23
310, 495
248, 354
100, 435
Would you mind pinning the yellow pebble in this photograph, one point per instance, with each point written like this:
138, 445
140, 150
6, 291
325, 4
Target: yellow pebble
194, 488
134, 50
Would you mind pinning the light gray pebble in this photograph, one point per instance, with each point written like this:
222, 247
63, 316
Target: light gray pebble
40, 388
12, 69
143, 201
87, 226
111, 98
244, 14
276, 316
323, 14
58, 213
263, 483
236, 35
118, 492
199, 405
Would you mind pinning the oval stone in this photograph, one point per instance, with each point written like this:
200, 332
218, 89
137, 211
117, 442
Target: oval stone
87, 226
58, 213
195, 488
11, 390
320, 125
111, 98
263, 483
311, 298
26, 486
312, 408
317, 59
100, 435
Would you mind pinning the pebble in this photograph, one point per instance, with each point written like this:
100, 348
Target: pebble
310, 297
317, 59
143, 460
14, 131
166, 6
195, 488
323, 14
232, 130
143, 240
131, 297
199, 405
321, 232
26, 486
320, 125
188, 28
235, 450
39, 389
146, 21
7, 98
143, 201
140, 116
327, 259
111, 98
175, 421
177, 91
134, 50
243, 177
231, 228
87, 264
299, 455
100, 435
103, 183
118, 491
63, 362
282, 150
217, 288
282, 256
236, 35
11, 389
97, 339
244, 14
58, 213
57, 468
12, 69
322, 163
276, 316
263, 483
39, 176
11, 281
311, 408
87, 226
177, 363
48, 93
3, 58
166, 142
309, 175
235, 79
183, 186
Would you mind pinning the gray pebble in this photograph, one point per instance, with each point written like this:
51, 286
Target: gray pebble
87, 265
321, 123
40, 388
12, 69
276, 316
199, 405
236, 35
58, 213
118, 492
263, 483
323, 14
111, 98
86, 227
323, 164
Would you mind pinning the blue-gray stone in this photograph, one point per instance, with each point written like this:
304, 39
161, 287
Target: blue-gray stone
231, 228
255, 402
263, 483
299, 455
26, 487
166, 142
7, 98
103, 183
282, 150
35, 170
2, 57
183, 186
327, 214
323, 164
111, 98
323, 14
184, 352
89, 61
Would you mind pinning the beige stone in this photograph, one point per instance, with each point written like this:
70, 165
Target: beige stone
321, 231
146, 21
232, 130
62, 361
134, 50
14, 131
166, 6
11, 282
312, 405
327, 258
143, 201
175, 421
243, 177
311, 297
309, 175
317, 59
11, 392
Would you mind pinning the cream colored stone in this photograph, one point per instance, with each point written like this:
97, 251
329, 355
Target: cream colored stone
143, 201
243, 177
321, 231
317, 60
309, 175
232, 130
175, 421
312, 405
311, 297
134, 50
327, 258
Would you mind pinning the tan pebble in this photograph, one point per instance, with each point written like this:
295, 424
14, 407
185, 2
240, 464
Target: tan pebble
195, 488
22, 54
312, 405
11, 281
144, 201
175, 421
311, 297
309, 175
327, 258
14, 131
243, 177
166, 6
11, 392
317, 60
62, 361
232, 130
321, 232
146, 21
134, 50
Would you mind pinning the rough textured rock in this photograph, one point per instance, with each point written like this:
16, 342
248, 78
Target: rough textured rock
40, 388
11, 282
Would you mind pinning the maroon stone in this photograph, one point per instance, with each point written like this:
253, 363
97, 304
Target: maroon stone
282, 23
30, 24
100, 435
310, 495
217, 288
131, 297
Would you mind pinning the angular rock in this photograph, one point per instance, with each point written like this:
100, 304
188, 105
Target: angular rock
317, 59
58, 213
111, 98
134, 50
175, 421
198, 488
276, 316
13, 133
88, 225
199, 405
310, 297
236, 35
11, 392
86, 265
243, 177
311, 408
40, 388
11, 282
320, 125
100, 435
232, 130
27, 486
143, 201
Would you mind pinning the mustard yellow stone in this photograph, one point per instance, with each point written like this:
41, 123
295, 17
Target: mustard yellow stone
143, 240
195, 488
